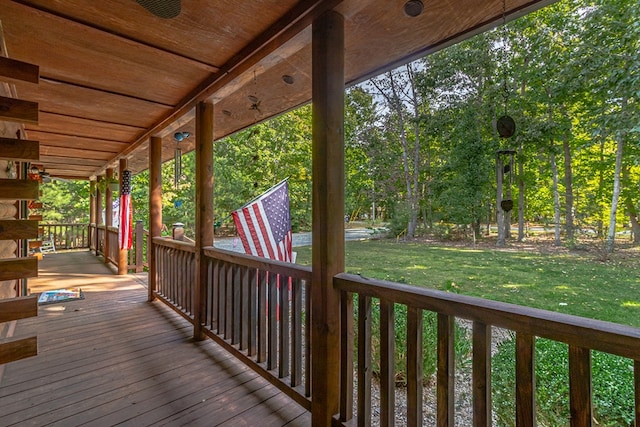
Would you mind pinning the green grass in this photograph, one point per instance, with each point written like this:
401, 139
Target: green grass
570, 284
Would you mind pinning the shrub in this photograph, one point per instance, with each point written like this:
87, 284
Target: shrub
613, 395
429, 342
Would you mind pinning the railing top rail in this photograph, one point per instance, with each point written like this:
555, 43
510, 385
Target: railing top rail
174, 244
278, 267
75, 224
578, 331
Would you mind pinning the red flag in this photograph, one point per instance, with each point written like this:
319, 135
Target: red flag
125, 231
264, 224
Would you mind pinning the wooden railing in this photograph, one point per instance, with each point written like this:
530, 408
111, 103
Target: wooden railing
112, 255
137, 259
580, 334
67, 236
175, 262
138, 253
257, 309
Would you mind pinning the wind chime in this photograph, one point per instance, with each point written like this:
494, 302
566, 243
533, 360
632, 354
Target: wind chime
506, 128
505, 125
177, 156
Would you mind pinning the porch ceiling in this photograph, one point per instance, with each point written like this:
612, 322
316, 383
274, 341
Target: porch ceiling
112, 74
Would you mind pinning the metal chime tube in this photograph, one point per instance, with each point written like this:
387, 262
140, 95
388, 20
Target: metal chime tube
177, 166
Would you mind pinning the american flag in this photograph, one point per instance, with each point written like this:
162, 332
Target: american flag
264, 224
125, 230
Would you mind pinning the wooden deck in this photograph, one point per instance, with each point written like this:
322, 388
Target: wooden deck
114, 359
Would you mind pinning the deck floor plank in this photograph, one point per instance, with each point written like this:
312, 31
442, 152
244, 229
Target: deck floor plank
114, 359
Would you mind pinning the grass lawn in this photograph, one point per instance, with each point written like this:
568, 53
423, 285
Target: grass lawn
566, 283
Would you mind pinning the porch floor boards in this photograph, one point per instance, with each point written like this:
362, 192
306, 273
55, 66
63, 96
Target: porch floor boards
114, 359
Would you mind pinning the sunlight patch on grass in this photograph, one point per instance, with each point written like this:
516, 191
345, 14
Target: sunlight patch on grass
562, 288
419, 267
517, 285
631, 304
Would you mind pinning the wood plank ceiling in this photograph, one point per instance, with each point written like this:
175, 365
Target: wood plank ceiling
112, 73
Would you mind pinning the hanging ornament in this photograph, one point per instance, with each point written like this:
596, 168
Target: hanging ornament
505, 125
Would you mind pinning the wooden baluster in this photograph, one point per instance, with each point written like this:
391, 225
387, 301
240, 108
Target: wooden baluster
284, 331
364, 361
481, 366
228, 303
244, 308
208, 286
414, 366
346, 356
387, 365
580, 386
525, 380
296, 332
252, 303
222, 296
272, 323
236, 311
446, 371
307, 339
192, 285
262, 316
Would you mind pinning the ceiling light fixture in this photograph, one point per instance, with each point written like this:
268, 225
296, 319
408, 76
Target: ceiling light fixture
287, 79
413, 8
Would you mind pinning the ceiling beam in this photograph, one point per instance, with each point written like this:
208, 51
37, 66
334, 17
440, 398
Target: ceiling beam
18, 110
19, 149
20, 71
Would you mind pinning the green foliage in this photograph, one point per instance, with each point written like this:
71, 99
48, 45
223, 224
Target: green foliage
563, 283
65, 202
613, 393
429, 342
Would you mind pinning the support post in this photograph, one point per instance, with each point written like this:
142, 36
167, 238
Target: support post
98, 205
204, 208
139, 246
155, 209
92, 215
99, 220
328, 213
123, 254
108, 214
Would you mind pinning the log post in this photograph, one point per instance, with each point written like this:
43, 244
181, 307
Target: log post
139, 246
98, 205
328, 213
92, 215
204, 208
123, 254
155, 209
108, 214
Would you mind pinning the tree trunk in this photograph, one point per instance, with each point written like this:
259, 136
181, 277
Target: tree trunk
611, 234
410, 177
634, 218
600, 222
556, 200
568, 189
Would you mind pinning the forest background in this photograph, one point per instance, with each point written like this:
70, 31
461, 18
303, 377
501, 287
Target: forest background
421, 141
